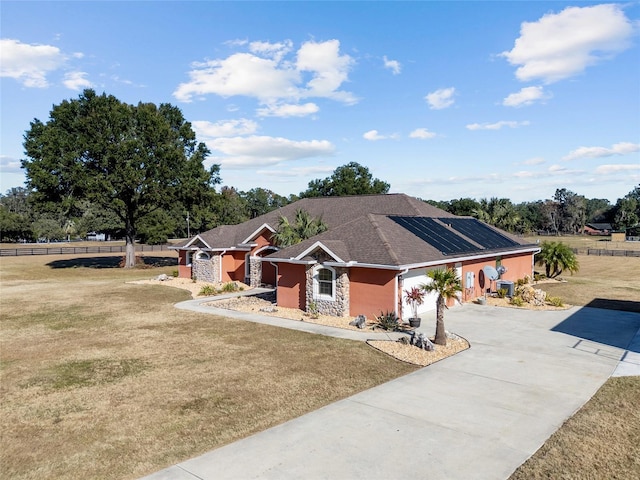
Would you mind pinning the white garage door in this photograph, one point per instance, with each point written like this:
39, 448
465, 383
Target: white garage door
415, 278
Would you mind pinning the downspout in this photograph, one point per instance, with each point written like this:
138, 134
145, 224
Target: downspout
221, 263
275, 265
398, 279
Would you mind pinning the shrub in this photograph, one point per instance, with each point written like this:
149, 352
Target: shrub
229, 287
388, 320
207, 290
502, 292
175, 273
517, 301
555, 301
313, 310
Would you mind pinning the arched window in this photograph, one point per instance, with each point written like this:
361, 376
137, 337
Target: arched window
200, 255
324, 283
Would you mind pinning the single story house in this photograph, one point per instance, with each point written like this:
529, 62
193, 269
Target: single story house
376, 246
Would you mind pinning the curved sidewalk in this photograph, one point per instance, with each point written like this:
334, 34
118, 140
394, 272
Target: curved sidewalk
478, 415
309, 327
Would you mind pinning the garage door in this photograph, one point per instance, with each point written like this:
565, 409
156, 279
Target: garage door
415, 278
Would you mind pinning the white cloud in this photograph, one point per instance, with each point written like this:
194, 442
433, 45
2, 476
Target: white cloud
263, 150
441, 98
534, 161
288, 110
525, 174
10, 164
526, 96
224, 128
272, 50
562, 170
422, 133
374, 135
76, 80
497, 125
29, 64
608, 169
562, 45
265, 74
392, 65
623, 148
329, 68
296, 171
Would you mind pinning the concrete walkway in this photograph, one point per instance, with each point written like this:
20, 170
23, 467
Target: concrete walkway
198, 306
478, 415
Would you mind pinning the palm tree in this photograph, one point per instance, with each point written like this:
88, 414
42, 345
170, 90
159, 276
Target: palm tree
447, 285
304, 227
556, 257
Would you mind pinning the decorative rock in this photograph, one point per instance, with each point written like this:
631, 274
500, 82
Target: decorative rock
269, 309
163, 277
359, 321
421, 341
404, 340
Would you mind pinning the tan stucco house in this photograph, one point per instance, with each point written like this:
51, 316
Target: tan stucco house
376, 246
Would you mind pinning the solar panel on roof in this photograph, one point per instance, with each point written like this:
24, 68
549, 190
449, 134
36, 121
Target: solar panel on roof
435, 234
479, 232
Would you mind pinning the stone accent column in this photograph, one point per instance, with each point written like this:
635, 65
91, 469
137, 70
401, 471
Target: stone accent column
206, 270
335, 308
255, 271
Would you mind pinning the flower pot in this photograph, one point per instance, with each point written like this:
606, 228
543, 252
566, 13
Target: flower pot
414, 322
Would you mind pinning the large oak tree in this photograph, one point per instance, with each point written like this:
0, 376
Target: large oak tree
132, 160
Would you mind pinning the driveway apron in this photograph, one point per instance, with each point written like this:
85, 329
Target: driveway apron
476, 415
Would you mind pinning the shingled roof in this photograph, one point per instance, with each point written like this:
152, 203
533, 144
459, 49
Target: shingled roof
334, 211
383, 241
392, 231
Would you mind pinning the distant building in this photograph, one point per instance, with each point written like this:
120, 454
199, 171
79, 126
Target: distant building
598, 229
96, 237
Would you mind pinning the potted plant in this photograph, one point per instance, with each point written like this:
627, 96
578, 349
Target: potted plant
415, 298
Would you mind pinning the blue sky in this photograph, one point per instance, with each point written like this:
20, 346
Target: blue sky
441, 99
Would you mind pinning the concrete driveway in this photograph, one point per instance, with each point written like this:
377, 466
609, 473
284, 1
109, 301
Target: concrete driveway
477, 415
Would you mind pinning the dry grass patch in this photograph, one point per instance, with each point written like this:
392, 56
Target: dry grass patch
607, 282
105, 379
602, 440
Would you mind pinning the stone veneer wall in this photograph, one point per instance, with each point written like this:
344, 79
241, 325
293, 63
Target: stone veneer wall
206, 270
338, 307
255, 271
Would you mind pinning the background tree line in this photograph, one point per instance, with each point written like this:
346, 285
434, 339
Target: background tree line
23, 219
137, 172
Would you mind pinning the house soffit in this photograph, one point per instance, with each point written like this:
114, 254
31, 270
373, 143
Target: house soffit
197, 242
259, 230
313, 250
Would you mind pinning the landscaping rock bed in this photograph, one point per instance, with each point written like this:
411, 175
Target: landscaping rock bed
418, 356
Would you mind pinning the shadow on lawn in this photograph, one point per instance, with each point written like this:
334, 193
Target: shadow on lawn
602, 324
112, 262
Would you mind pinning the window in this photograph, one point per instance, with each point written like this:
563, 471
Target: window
325, 283
200, 255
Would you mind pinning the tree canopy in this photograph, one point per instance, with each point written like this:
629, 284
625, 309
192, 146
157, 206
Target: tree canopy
304, 226
349, 179
133, 161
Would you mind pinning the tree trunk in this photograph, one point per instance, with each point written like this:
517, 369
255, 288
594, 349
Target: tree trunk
130, 255
441, 336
